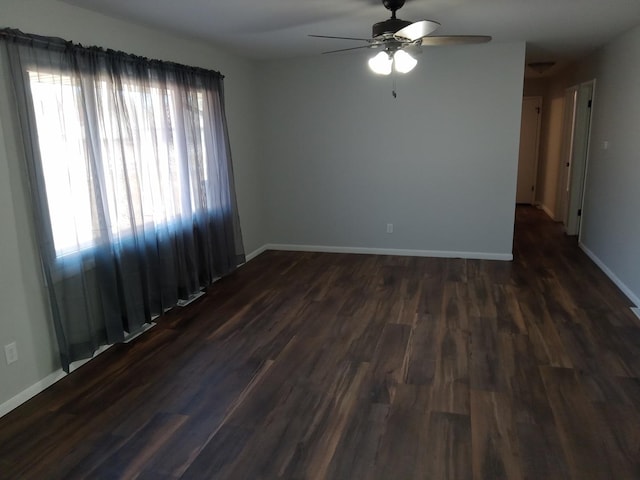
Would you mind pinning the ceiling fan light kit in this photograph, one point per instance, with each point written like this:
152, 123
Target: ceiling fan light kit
394, 36
384, 62
403, 62
381, 63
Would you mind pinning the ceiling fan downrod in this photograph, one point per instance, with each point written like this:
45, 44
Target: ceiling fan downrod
393, 5
390, 26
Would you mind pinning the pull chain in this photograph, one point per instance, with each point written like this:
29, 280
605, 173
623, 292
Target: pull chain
393, 91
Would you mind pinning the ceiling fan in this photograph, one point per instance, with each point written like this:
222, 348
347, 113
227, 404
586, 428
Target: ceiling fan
395, 36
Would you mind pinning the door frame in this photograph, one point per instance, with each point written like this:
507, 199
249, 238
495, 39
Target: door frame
577, 127
568, 133
536, 160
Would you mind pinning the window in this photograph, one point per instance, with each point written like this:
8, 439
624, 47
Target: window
124, 151
131, 183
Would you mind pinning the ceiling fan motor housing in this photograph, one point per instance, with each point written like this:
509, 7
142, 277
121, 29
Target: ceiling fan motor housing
388, 27
393, 5
392, 25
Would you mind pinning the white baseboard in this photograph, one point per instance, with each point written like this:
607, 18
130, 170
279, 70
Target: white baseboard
31, 392
46, 382
547, 210
49, 380
132, 336
391, 251
183, 303
614, 278
255, 253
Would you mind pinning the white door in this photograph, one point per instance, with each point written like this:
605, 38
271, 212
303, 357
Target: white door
568, 132
528, 157
579, 151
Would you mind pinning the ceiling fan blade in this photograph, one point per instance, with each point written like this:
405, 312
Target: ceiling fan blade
368, 40
353, 48
417, 30
454, 40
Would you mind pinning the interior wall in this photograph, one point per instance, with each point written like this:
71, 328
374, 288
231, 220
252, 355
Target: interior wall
549, 159
439, 162
610, 225
551, 150
24, 318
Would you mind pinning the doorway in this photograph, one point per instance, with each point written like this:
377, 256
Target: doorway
577, 127
528, 155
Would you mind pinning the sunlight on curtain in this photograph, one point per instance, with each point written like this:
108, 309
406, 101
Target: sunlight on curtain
138, 191
61, 140
130, 174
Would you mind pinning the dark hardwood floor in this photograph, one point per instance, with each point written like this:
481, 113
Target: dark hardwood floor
310, 365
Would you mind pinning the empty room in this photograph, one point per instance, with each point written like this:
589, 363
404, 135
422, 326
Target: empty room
355, 239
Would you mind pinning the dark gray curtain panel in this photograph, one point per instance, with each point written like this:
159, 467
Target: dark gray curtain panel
129, 169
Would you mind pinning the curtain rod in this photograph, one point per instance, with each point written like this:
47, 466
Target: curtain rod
62, 44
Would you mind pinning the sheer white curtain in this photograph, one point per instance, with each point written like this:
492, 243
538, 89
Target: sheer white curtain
130, 172
157, 185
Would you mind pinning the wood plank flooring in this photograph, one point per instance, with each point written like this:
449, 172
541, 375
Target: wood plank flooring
311, 365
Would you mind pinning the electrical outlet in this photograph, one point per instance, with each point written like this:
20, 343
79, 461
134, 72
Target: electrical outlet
389, 227
11, 352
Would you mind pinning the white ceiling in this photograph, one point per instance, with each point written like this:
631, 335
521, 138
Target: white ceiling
556, 30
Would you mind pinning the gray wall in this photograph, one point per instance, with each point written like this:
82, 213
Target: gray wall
23, 310
611, 219
550, 160
323, 155
344, 158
